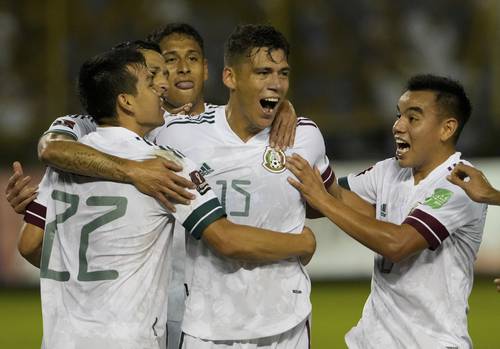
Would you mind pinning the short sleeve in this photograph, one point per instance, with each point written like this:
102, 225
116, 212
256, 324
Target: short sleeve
365, 182
75, 126
444, 212
315, 149
36, 210
205, 208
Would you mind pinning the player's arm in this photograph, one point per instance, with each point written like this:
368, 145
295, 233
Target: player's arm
284, 126
475, 184
154, 177
351, 200
258, 245
394, 242
30, 243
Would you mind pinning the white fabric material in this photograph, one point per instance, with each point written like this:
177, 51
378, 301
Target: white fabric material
230, 300
420, 302
295, 338
105, 264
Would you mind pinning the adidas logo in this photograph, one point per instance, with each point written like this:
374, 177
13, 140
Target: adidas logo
205, 169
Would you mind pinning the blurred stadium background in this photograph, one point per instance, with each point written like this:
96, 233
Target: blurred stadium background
350, 61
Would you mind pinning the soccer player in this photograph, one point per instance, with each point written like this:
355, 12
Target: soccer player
233, 304
104, 265
425, 231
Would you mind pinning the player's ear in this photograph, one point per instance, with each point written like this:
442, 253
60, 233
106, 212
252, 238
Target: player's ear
448, 128
229, 78
125, 102
205, 69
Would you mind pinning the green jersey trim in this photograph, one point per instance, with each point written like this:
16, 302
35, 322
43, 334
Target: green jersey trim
344, 183
200, 218
198, 230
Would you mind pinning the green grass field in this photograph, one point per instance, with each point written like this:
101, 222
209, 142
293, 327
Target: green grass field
337, 307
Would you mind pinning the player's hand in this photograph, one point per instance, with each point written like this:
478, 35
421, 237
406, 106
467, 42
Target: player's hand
283, 128
157, 178
311, 245
182, 110
309, 183
18, 191
497, 282
473, 182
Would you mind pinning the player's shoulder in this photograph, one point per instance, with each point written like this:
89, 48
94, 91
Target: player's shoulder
307, 131
203, 120
71, 119
388, 169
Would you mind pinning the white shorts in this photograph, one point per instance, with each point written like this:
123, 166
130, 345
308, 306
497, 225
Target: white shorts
298, 337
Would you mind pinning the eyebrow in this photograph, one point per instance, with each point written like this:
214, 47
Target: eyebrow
176, 52
415, 109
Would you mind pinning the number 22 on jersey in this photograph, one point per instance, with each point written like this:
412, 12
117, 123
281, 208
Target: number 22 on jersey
120, 204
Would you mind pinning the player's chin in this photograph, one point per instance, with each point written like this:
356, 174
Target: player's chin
403, 161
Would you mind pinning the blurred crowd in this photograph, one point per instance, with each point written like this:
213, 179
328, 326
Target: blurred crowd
350, 60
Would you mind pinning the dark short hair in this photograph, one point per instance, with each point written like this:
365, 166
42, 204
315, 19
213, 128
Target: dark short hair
103, 77
176, 28
450, 96
246, 37
139, 45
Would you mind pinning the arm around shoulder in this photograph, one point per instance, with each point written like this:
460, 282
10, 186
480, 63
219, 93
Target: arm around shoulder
257, 245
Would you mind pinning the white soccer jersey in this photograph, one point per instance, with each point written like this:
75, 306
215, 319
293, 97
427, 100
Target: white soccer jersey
77, 126
227, 299
420, 302
105, 260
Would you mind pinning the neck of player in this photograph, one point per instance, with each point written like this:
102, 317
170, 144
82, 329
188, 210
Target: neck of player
439, 156
240, 125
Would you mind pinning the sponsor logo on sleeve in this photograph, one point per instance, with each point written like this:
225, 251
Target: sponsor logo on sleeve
201, 184
274, 160
438, 198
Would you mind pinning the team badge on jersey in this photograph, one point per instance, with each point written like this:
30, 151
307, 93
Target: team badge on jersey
274, 160
201, 184
439, 198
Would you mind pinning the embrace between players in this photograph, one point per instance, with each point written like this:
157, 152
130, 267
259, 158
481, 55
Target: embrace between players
107, 224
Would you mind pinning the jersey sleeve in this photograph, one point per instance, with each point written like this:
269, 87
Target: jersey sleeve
444, 212
75, 126
316, 149
36, 210
364, 183
205, 208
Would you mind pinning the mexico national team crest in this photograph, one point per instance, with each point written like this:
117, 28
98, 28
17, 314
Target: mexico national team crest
274, 160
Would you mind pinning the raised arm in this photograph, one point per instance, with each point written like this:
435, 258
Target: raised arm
154, 177
258, 245
352, 200
394, 242
19, 192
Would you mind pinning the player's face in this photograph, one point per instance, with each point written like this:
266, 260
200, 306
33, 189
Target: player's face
418, 130
260, 85
187, 69
147, 102
156, 65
